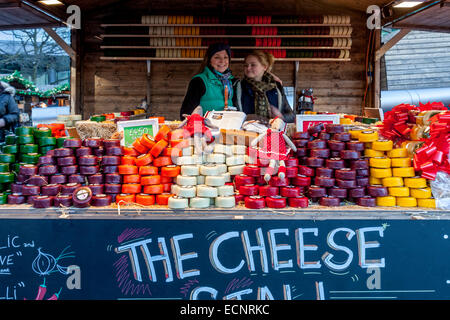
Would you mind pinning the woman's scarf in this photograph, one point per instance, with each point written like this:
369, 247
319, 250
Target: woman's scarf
225, 78
267, 83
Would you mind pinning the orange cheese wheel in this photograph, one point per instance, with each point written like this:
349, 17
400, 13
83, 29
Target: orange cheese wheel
127, 198
128, 160
170, 171
127, 169
172, 152
148, 170
163, 198
147, 141
177, 134
131, 178
144, 159
139, 146
154, 189
129, 152
131, 188
158, 148
162, 133
149, 180
167, 187
145, 199
165, 179
180, 144
162, 161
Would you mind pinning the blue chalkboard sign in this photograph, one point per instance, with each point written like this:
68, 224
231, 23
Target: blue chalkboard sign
223, 259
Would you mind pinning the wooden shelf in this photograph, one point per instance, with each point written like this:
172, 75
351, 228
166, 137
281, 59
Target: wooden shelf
232, 48
222, 36
224, 25
233, 59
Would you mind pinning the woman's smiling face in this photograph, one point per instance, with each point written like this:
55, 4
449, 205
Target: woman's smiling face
220, 61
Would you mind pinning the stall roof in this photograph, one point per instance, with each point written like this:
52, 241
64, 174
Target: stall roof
15, 14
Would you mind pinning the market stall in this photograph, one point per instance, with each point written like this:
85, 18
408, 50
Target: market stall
110, 203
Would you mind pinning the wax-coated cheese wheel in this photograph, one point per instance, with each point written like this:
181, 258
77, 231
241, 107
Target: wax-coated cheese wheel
145, 199
335, 163
382, 145
366, 202
398, 153
315, 162
301, 152
28, 169
209, 170
298, 202
128, 160
148, 171
139, 147
359, 164
324, 182
225, 191
235, 160
187, 180
243, 179
158, 148
381, 172
215, 158
403, 172
153, 189
199, 203
380, 162
377, 191
318, 144
392, 182
267, 191
163, 198
276, 202
335, 145
130, 152
348, 184
338, 192
345, 174
111, 188
88, 170
415, 182
316, 129
47, 170
320, 153
300, 135
82, 197
342, 136
368, 136
224, 149
131, 188
185, 191
42, 202
207, 191
58, 179
143, 159
355, 145
236, 170
125, 198
401, 162
162, 133
317, 192
147, 180
66, 161
276, 181
147, 141
188, 151
223, 168
255, 202
330, 201
406, 202
101, 200
292, 172
215, 181
239, 149
16, 198
357, 192
290, 191
375, 181
72, 143
334, 128
113, 178
170, 171
225, 201
175, 202
422, 193
162, 161
94, 142
128, 169
253, 171
399, 191
88, 160
370, 153
387, 201
35, 180
305, 171
325, 172
426, 203
301, 180
349, 154
190, 170
362, 181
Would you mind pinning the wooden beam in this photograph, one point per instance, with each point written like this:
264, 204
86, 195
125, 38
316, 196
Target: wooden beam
29, 26
61, 42
388, 45
377, 72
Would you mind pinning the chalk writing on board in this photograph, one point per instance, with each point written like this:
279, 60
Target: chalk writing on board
280, 250
45, 264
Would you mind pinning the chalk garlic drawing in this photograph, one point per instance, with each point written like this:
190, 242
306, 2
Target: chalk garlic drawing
46, 264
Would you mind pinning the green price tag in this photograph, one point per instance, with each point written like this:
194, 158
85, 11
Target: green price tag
130, 134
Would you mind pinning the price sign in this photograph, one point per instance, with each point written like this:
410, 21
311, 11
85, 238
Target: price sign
303, 122
135, 129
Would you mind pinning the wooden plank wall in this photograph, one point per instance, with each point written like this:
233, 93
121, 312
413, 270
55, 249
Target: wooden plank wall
118, 86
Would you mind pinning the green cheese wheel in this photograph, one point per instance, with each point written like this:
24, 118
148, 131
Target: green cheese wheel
4, 167
29, 158
16, 166
42, 132
29, 148
11, 139
7, 158
6, 177
3, 198
60, 141
45, 149
25, 139
47, 141
98, 118
24, 131
11, 149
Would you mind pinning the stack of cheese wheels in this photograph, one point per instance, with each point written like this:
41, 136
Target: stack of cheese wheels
9, 166
392, 174
331, 157
206, 179
278, 193
147, 170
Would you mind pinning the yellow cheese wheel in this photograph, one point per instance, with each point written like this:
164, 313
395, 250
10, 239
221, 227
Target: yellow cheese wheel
426, 203
368, 136
401, 162
406, 202
388, 201
381, 172
392, 182
382, 145
399, 191
380, 162
423, 193
397, 153
374, 181
415, 182
403, 172
370, 153
354, 133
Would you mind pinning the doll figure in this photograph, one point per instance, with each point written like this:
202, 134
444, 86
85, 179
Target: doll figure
275, 147
198, 127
